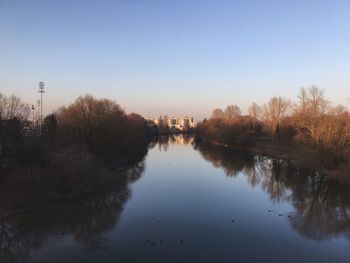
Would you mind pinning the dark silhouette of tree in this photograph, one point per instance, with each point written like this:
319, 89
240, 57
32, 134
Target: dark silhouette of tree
50, 125
13, 114
103, 127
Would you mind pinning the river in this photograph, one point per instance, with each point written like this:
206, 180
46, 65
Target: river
187, 203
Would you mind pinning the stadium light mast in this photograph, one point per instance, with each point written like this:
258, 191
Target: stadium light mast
33, 109
41, 91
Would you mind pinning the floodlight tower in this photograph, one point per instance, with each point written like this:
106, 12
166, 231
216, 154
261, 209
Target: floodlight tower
41, 91
33, 109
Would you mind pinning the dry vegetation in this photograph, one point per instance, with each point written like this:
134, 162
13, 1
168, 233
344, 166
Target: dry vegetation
80, 149
310, 125
103, 127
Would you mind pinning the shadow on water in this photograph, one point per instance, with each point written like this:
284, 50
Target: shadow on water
321, 204
85, 220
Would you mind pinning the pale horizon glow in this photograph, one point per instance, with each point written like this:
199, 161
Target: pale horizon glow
174, 58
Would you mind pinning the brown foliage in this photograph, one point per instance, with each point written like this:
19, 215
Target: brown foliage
239, 132
321, 125
287, 130
312, 122
102, 126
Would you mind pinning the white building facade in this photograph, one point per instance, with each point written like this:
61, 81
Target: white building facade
179, 123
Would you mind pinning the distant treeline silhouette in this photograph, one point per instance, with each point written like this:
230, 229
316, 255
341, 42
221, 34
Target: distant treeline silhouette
310, 122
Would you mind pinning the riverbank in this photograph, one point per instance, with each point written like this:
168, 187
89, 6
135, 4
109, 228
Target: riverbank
306, 157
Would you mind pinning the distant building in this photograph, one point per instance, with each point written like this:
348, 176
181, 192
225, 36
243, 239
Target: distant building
179, 123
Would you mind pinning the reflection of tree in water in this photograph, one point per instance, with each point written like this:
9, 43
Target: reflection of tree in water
135, 171
272, 178
232, 162
85, 220
322, 204
163, 142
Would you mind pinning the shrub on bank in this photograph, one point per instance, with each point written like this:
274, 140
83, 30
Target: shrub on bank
103, 127
241, 131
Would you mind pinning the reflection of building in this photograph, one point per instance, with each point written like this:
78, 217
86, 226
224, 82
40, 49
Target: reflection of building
179, 123
182, 140
164, 141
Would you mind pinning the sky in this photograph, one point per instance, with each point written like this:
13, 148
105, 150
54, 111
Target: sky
176, 57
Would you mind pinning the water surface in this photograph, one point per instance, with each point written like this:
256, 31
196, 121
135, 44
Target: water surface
188, 203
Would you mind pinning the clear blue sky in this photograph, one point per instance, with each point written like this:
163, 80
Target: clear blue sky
174, 57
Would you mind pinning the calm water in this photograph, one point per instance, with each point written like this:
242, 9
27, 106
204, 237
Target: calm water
194, 204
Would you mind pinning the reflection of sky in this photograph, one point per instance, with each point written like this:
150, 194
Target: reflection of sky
196, 202
174, 57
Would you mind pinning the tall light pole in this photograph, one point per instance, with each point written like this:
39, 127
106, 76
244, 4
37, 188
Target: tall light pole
41, 91
33, 108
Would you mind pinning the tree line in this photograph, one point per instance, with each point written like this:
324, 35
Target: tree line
100, 125
83, 147
310, 121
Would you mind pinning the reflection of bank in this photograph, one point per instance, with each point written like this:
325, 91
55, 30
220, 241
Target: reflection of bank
322, 209
86, 220
322, 204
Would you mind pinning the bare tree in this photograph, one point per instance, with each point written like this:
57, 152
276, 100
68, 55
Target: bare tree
231, 112
322, 125
217, 114
300, 108
303, 99
13, 108
332, 136
274, 111
88, 119
255, 111
317, 103
339, 111
13, 112
311, 108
